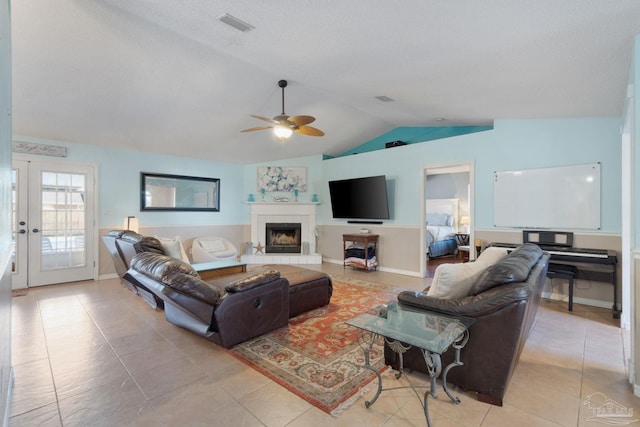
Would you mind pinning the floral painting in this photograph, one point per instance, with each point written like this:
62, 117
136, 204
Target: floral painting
282, 178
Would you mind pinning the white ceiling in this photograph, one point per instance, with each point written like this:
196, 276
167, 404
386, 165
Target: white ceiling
166, 76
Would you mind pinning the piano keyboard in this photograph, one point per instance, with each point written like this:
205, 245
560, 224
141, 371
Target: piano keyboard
566, 251
586, 253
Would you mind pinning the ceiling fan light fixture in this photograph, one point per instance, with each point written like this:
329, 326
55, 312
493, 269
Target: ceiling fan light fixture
283, 126
282, 132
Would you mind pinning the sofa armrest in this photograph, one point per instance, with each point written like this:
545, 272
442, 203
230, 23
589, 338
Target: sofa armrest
193, 286
471, 306
252, 281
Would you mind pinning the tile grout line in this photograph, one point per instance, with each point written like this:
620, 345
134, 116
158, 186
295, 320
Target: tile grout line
46, 345
95, 323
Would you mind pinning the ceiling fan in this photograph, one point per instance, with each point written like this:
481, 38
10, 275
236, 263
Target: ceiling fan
283, 126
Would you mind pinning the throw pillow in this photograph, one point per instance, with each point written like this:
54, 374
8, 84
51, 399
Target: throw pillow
491, 255
452, 281
216, 245
173, 248
513, 268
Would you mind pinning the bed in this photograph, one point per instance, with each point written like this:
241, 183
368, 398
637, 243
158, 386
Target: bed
441, 227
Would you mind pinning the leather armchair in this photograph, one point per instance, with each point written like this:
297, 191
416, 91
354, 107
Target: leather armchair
504, 307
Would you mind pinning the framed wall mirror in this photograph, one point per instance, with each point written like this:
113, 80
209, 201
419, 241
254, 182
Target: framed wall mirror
162, 192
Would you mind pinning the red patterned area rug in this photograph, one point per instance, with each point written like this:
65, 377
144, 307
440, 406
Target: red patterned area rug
317, 356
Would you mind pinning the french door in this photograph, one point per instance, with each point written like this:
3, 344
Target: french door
53, 222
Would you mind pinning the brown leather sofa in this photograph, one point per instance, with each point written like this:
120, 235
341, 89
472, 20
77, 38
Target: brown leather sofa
306, 290
226, 310
504, 300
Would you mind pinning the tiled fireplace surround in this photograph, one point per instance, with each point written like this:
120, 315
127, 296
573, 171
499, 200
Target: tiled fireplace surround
284, 212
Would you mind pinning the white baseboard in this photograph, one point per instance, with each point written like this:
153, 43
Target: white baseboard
578, 300
108, 276
402, 272
7, 411
379, 268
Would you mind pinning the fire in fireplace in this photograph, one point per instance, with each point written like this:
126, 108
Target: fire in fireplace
283, 238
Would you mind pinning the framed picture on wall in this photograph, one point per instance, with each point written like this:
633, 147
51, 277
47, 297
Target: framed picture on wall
282, 178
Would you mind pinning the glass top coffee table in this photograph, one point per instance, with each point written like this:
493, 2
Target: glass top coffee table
403, 327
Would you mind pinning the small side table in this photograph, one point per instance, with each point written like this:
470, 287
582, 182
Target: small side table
463, 246
403, 327
212, 270
370, 245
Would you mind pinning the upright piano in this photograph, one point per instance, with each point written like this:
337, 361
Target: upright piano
592, 264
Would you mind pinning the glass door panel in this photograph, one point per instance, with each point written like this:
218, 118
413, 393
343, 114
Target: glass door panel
55, 226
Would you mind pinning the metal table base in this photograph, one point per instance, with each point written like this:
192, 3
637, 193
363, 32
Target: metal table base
366, 341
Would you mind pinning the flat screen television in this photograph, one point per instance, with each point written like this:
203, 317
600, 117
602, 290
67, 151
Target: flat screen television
360, 198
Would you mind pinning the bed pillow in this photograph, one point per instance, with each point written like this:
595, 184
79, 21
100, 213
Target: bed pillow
453, 281
173, 248
439, 219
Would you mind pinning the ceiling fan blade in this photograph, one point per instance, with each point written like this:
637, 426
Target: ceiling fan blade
301, 120
257, 128
308, 130
266, 119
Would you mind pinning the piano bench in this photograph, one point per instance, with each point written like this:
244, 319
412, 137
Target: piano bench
567, 272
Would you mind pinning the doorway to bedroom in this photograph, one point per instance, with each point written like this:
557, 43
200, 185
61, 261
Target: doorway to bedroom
447, 215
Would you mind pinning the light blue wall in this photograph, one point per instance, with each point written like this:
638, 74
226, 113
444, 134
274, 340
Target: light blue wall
634, 79
513, 144
119, 184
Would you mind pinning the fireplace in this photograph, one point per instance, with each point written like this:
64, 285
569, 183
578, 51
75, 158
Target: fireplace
283, 238
303, 213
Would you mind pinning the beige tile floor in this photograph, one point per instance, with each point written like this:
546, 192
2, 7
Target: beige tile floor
94, 354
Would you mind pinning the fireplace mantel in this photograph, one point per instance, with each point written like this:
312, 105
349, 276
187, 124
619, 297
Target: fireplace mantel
290, 212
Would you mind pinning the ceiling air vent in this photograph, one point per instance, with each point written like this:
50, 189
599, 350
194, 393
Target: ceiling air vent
235, 23
384, 98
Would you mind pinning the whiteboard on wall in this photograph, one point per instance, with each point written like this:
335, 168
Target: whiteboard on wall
557, 197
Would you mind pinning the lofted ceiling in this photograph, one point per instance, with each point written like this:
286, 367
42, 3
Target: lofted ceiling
167, 76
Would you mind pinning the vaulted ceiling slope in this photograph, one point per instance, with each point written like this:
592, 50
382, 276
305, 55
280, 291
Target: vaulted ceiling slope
169, 77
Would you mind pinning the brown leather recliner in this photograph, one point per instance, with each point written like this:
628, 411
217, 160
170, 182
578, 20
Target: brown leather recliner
226, 310
123, 245
109, 240
504, 308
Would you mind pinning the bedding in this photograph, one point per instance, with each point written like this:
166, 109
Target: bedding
442, 247
441, 227
441, 235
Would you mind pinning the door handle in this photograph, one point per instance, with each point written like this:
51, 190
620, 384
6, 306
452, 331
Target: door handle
22, 231
35, 230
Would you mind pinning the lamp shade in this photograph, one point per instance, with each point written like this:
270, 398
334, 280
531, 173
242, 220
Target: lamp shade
464, 224
131, 223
